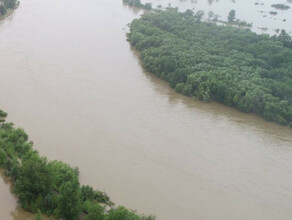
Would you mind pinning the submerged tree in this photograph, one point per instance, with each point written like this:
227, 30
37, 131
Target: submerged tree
231, 16
3, 115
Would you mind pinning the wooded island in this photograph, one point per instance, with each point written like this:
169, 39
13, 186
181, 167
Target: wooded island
234, 66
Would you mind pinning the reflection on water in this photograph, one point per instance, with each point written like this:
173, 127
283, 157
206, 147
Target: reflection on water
71, 80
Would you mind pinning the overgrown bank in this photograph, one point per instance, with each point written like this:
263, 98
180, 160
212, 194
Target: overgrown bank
239, 68
52, 187
6, 6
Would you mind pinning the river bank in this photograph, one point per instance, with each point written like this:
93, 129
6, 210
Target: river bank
94, 107
51, 187
9, 208
9, 12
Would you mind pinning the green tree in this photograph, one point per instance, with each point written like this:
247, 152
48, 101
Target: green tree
231, 16
121, 213
285, 38
95, 211
9, 4
3, 114
34, 182
148, 6
69, 201
38, 216
2, 10
199, 14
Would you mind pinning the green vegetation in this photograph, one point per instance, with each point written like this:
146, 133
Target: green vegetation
285, 38
231, 15
280, 6
138, 4
237, 67
38, 215
52, 187
232, 20
3, 115
7, 5
273, 12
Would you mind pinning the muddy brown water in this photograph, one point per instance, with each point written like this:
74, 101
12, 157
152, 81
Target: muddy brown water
71, 80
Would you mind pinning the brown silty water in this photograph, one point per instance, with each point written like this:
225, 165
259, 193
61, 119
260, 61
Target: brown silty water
71, 80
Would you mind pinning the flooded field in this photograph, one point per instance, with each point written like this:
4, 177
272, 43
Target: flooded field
256, 12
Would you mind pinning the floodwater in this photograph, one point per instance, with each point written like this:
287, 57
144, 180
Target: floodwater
256, 12
71, 80
8, 204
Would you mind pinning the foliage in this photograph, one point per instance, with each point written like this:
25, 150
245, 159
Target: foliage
53, 187
88, 193
138, 4
38, 216
7, 4
135, 3
95, 211
231, 16
121, 213
280, 6
69, 203
3, 10
285, 38
237, 67
3, 115
33, 182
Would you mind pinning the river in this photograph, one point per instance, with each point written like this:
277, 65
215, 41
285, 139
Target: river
71, 80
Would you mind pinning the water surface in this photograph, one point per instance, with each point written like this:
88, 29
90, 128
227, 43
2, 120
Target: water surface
256, 12
71, 80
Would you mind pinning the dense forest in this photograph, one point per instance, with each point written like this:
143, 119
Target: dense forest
52, 187
7, 5
237, 67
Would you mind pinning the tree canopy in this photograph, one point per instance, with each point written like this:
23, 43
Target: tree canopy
52, 187
7, 4
138, 4
237, 67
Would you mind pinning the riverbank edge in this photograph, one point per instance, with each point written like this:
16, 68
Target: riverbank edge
17, 159
9, 12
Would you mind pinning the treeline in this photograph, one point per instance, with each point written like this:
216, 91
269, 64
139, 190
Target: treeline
138, 4
7, 5
52, 187
237, 67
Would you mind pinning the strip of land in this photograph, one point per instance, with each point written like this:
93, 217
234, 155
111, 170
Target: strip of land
52, 187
